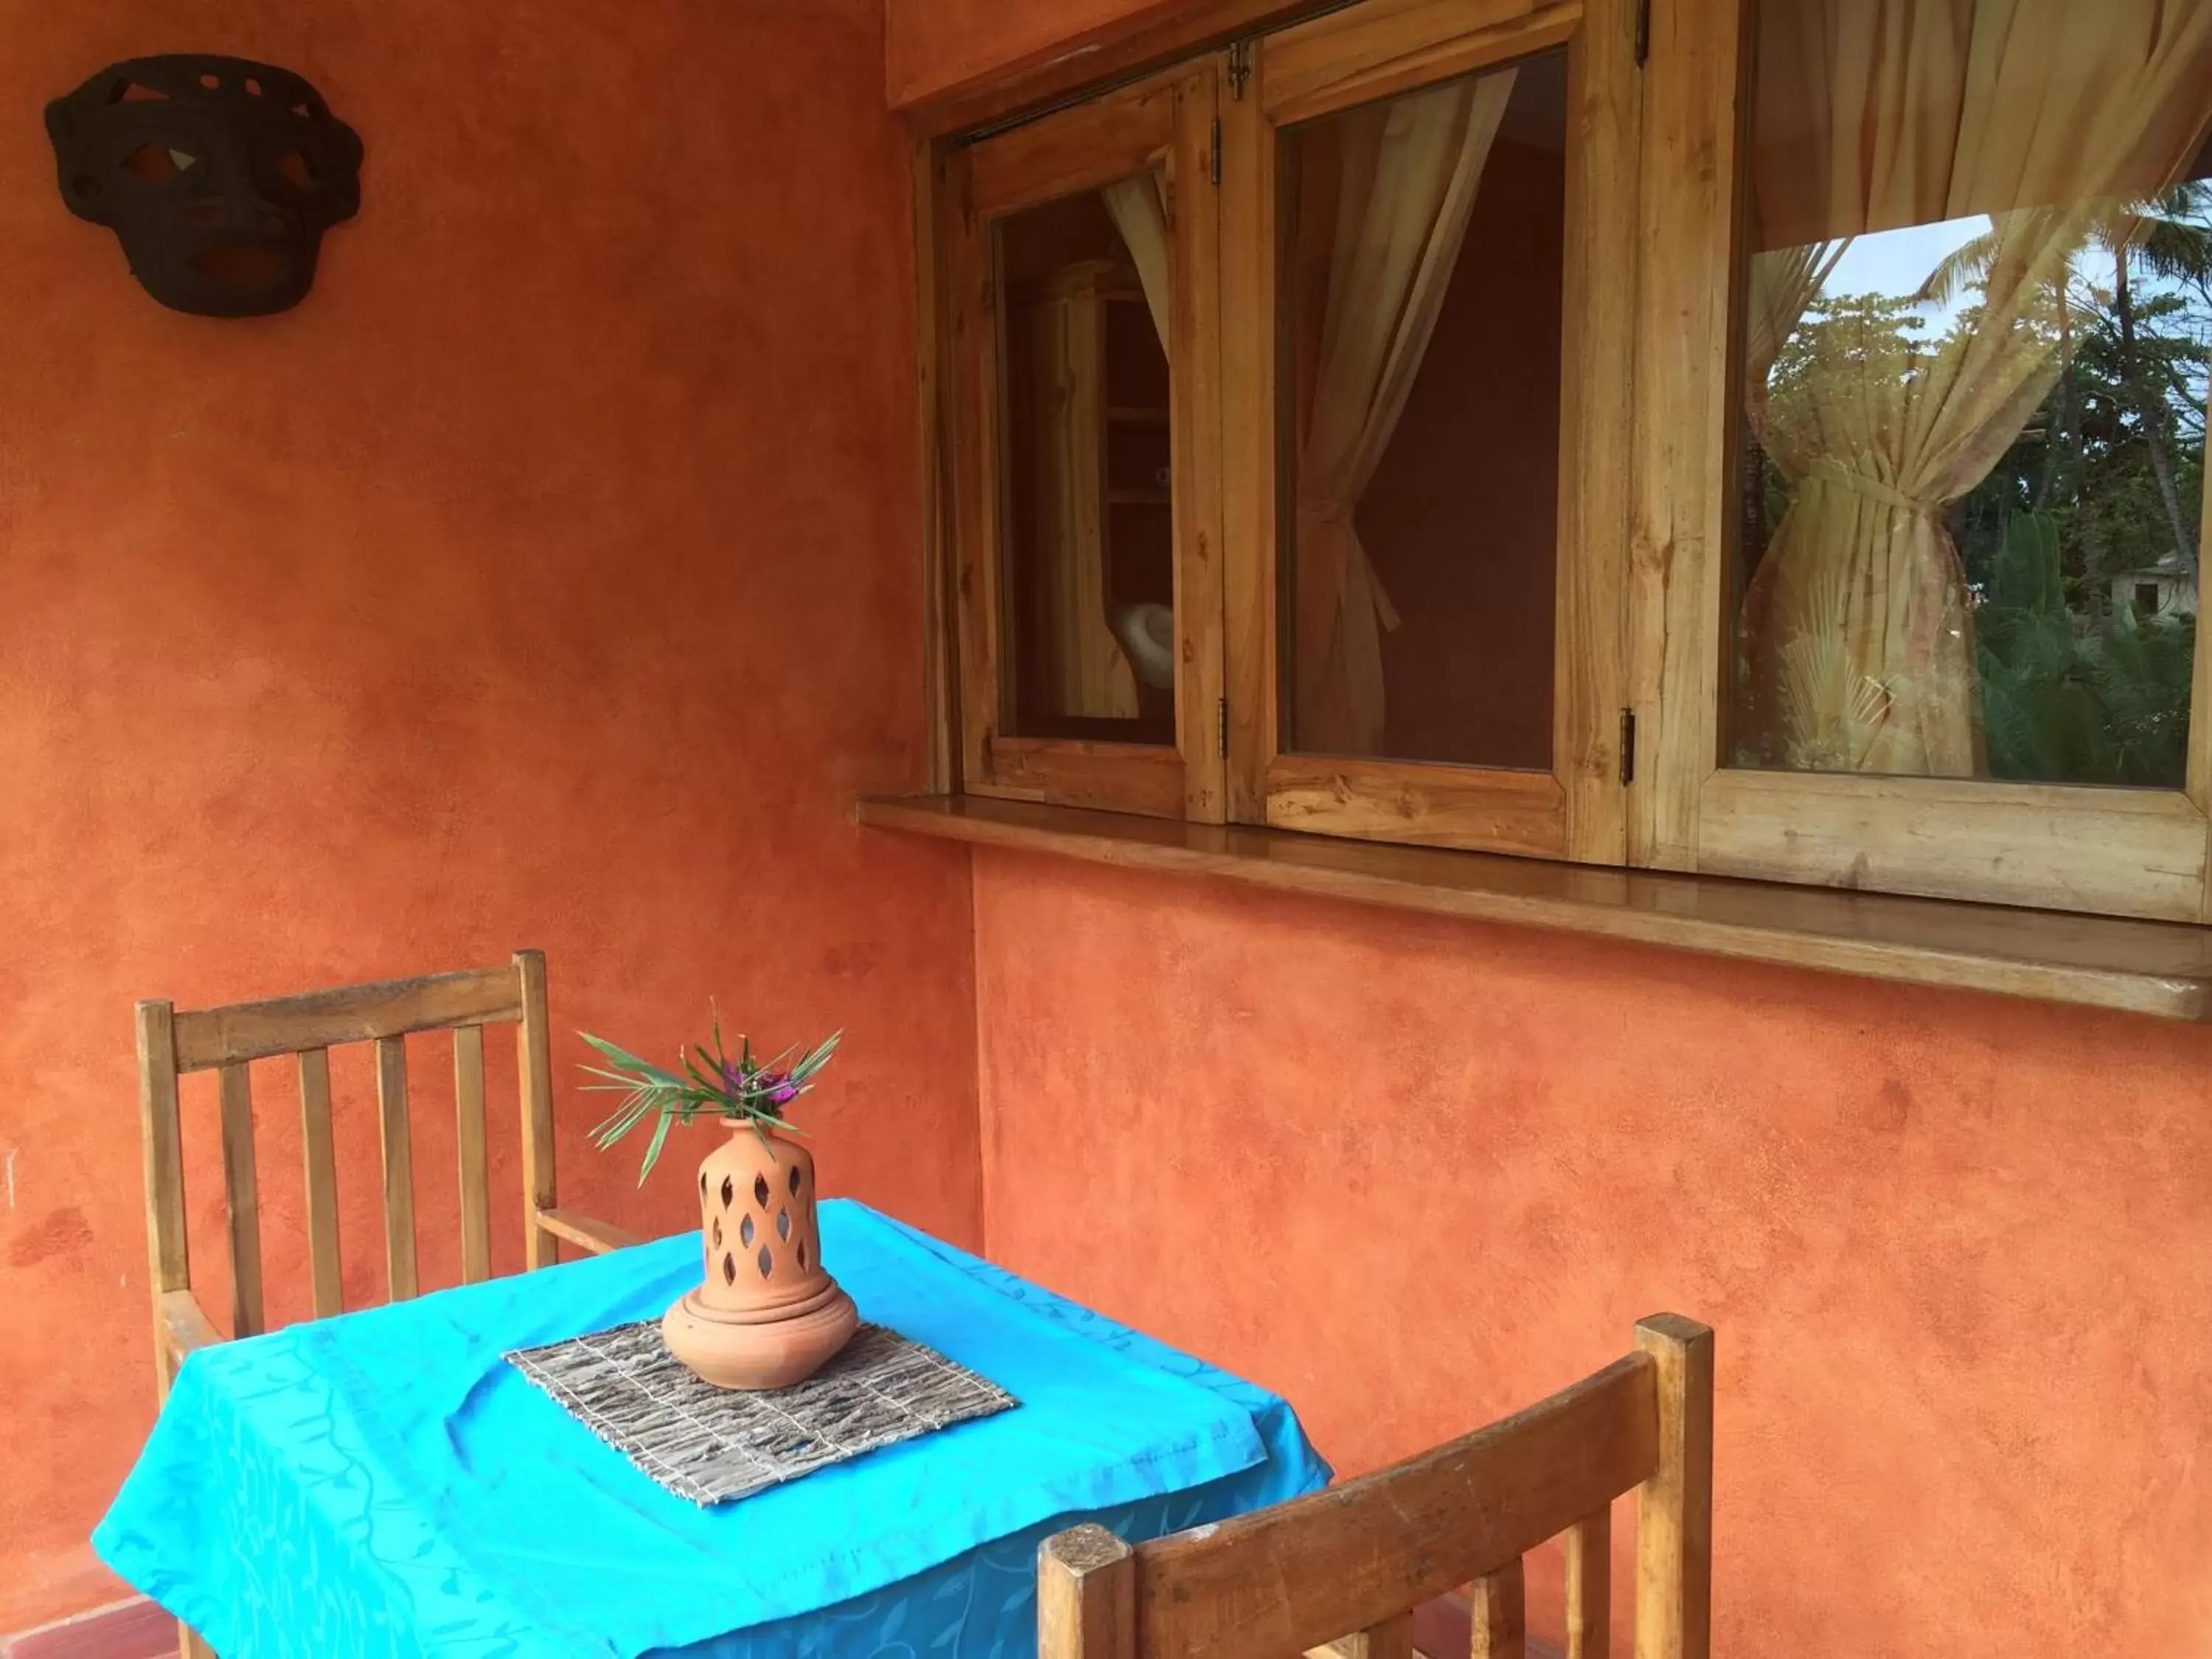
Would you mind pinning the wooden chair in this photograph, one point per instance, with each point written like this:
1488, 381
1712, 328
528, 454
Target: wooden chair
1359, 1557
225, 1040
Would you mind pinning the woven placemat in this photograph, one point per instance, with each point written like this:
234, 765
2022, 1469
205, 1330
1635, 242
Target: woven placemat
712, 1444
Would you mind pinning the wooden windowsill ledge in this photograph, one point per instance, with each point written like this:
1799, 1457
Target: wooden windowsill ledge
2159, 969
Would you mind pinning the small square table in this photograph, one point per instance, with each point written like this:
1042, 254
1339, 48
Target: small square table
384, 1483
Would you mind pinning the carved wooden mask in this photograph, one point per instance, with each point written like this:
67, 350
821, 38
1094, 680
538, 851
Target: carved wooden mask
218, 174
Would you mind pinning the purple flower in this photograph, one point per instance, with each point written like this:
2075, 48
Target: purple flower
762, 1088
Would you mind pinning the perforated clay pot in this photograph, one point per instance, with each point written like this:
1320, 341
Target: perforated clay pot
768, 1314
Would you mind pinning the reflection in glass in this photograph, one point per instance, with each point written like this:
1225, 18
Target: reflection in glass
1975, 316
1421, 286
1089, 493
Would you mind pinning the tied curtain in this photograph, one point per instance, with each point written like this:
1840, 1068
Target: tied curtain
1383, 203
2046, 115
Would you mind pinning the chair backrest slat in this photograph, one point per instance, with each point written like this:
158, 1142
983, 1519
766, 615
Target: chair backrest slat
358, 1013
1363, 1557
1588, 1545
1292, 1577
319, 1156
1391, 1640
469, 1137
228, 1039
241, 1203
533, 1049
398, 1166
1500, 1604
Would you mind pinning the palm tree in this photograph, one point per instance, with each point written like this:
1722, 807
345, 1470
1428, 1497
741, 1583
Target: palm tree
2176, 246
2171, 234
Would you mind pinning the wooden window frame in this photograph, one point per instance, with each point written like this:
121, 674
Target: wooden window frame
1166, 121
1343, 60
1648, 423
2124, 852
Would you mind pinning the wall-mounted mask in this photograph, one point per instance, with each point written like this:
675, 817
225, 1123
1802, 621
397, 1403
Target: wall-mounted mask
220, 176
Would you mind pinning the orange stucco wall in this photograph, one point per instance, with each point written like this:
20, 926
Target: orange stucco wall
549, 578
1416, 1173
932, 47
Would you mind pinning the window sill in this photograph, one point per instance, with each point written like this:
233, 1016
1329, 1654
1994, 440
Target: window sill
2159, 969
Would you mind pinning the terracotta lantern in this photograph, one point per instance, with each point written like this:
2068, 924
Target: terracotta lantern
767, 1315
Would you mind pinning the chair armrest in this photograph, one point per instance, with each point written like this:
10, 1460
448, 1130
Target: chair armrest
581, 1229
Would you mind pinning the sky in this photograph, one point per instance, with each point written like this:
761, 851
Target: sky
1895, 262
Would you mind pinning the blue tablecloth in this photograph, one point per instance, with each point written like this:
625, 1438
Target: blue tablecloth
385, 1484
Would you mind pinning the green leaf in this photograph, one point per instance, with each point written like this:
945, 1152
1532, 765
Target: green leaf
716, 1086
629, 1062
653, 1149
651, 1090
721, 1057
626, 1117
614, 1079
820, 1057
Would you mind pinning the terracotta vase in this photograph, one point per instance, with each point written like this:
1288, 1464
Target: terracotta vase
767, 1316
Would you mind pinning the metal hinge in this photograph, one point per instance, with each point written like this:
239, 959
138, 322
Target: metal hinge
1627, 747
1215, 166
1221, 727
1240, 69
1643, 32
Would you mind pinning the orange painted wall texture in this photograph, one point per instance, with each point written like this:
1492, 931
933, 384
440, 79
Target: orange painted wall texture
549, 578
1416, 1173
935, 46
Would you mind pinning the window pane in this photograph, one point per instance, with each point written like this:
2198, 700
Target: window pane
1975, 315
1422, 260
1089, 532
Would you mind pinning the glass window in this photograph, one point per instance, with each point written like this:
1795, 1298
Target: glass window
1974, 328
1088, 533
1422, 246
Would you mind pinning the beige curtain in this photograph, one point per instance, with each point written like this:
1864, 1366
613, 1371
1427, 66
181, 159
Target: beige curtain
1781, 284
1139, 207
1405, 181
2038, 112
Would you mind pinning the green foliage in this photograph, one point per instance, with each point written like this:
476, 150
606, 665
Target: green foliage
2029, 577
1846, 339
743, 1090
2107, 479
2142, 671
2095, 699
